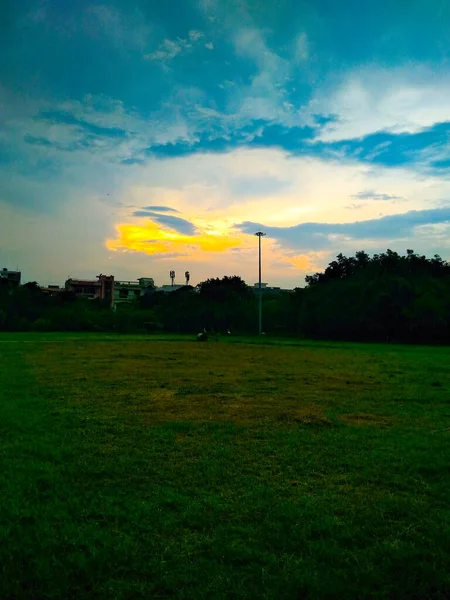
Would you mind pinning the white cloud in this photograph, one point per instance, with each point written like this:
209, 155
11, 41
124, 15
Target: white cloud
209, 45
301, 48
170, 49
370, 100
311, 189
264, 97
195, 35
52, 135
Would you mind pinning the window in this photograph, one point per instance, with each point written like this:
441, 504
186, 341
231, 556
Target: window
123, 293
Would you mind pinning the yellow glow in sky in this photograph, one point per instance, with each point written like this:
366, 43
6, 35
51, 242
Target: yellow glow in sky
150, 238
212, 237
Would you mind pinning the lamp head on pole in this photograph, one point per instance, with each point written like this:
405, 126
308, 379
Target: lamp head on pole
260, 234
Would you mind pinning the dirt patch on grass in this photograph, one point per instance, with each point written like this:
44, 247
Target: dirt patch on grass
366, 420
312, 415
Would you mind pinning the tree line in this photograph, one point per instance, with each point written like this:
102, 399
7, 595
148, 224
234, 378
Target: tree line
385, 297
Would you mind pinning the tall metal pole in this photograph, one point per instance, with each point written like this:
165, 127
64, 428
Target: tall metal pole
260, 234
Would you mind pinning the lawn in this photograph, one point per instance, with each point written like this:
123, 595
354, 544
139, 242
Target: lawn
160, 468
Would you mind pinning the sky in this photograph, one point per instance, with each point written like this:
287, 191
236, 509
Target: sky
139, 137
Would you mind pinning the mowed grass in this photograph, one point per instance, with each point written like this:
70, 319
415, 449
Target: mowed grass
134, 468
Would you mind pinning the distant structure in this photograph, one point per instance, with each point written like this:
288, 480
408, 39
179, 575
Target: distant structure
267, 289
9, 277
103, 288
50, 290
169, 288
128, 291
187, 276
172, 276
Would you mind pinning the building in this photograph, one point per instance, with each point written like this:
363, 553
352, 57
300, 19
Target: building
102, 289
128, 291
10, 277
266, 289
50, 290
170, 288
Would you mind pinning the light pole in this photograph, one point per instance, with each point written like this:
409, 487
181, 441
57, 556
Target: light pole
260, 234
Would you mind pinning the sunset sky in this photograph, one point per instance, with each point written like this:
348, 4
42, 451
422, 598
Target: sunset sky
137, 137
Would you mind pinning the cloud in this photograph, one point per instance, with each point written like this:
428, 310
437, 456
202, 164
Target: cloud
152, 239
264, 97
301, 48
211, 192
95, 129
232, 185
315, 236
371, 195
373, 99
65, 132
169, 49
68, 118
160, 209
176, 223
355, 206
209, 45
38, 141
194, 35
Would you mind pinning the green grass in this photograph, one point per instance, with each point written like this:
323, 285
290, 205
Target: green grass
137, 467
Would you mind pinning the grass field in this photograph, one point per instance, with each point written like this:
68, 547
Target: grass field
161, 468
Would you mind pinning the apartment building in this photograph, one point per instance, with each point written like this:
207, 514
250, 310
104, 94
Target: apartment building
10, 277
102, 288
129, 291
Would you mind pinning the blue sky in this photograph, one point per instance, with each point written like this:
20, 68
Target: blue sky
140, 137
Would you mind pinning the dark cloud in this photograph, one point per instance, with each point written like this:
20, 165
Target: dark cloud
82, 135
162, 209
383, 148
67, 118
371, 195
441, 164
84, 142
176, 223
257, 133
321, 120
316, 236
37, 141
132, 161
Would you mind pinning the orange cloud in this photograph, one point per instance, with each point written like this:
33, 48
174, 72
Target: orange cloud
150, 238
313, 261
301, 262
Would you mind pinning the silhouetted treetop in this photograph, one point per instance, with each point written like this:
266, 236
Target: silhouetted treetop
224, 289
405, 265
